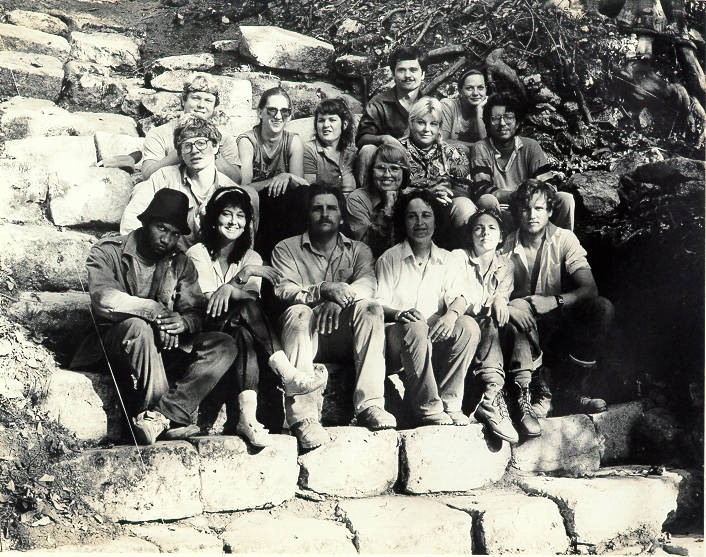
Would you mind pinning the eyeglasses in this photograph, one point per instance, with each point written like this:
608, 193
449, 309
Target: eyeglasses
509, 118
199, 144
272, 111
391, 168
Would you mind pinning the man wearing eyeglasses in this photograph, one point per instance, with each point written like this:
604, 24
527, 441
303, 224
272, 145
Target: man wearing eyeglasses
197, 142
504, 160
200, 98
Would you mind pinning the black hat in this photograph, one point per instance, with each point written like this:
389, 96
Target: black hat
170, 206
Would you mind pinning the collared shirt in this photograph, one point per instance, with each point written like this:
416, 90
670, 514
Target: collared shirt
481, 290
159, 142
176, 178
304, 269
211, 275
527, 160
367, 220
442, 159
560, 256
455, 125
336, 171
404, 284
383, 115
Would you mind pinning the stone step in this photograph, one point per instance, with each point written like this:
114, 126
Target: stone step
105, 49
30, 75
611, 509
56, 153
23, 191
93, 87
38, 21
24, 39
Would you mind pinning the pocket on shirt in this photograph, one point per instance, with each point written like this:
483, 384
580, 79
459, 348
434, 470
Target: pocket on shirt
343, 274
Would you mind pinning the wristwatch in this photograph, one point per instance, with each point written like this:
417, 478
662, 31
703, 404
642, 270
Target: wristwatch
240, 280
559, 301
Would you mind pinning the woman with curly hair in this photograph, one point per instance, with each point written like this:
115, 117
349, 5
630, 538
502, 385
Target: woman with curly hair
230, 276
328, 158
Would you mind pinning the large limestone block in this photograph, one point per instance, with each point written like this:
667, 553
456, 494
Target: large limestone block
400, 524
56, 152
632, 159
305, 96
160, 481
111, 145
201, 62
236, 478
445, 458
568, 445
123, 544
44, 258
597, 190
241, 123
23, 39
105, 49
331, 470
22, 117
62, 315
23, 191
262, 533
235, 95
279, 48
303, 127
30, 75
510, 522
132, 102
162, 103
89, 195
85, 403
85, 21
92, 86
616, 429
174, 538
38, 21
598, 510
259, 81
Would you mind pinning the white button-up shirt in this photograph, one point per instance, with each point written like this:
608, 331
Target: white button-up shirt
211, 275
430, 288
481, 290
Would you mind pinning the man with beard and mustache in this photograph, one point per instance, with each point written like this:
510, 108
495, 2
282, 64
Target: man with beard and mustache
328, 284
386, 116
149, 307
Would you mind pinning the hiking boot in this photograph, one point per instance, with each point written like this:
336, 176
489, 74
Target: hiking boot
578, 403
458, 417
529, 425
375, 418
148, 426
441, 418
297, 382
310, 434
254, 433
492, 411
540, 395
181, 432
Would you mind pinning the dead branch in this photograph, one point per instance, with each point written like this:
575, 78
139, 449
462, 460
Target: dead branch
363, 40
424, 30
443, 76
444, 52
389, 14
498, 68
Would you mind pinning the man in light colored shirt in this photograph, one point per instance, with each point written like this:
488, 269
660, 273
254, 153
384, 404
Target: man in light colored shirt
198, 142
329, 285
503, 160
555, 296
200, 98
427, 333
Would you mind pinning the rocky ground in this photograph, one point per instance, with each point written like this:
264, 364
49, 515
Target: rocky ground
92, 77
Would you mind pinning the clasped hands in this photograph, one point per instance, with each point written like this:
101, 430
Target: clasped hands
170, 325
337, 295
439, 331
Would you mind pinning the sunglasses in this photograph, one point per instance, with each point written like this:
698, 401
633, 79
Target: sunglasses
272, 111
199, 144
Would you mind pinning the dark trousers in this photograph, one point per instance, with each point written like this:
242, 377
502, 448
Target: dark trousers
143, 371
280, 217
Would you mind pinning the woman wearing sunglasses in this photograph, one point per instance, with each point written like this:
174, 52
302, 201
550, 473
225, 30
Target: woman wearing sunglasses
272, 163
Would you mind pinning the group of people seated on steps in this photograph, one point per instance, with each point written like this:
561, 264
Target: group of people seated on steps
424, 244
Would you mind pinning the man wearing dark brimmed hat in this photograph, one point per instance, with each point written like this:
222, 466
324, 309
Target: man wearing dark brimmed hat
148, 305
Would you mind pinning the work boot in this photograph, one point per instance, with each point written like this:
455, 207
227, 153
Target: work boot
310, 434
440, 418
181, 432
297, 382
375, 418
248, 426
576, 400
148, 426
527, 419
492, 411
540, 395
458, 417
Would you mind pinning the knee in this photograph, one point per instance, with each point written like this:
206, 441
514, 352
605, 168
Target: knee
565, 201
462, 209
366, 152
467, 328
603, 309
368, 309
297, 319
416, 331
488, 201
136, 331
218, 348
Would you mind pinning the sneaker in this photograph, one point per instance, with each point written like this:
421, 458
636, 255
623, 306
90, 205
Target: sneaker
310, 434
182, 432
375, 418
297, 382
529, 424
254, 433
442, 418
458, 417
540, 396
492, 411
148, 426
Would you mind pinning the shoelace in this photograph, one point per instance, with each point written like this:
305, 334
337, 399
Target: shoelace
525, 404
500, 403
